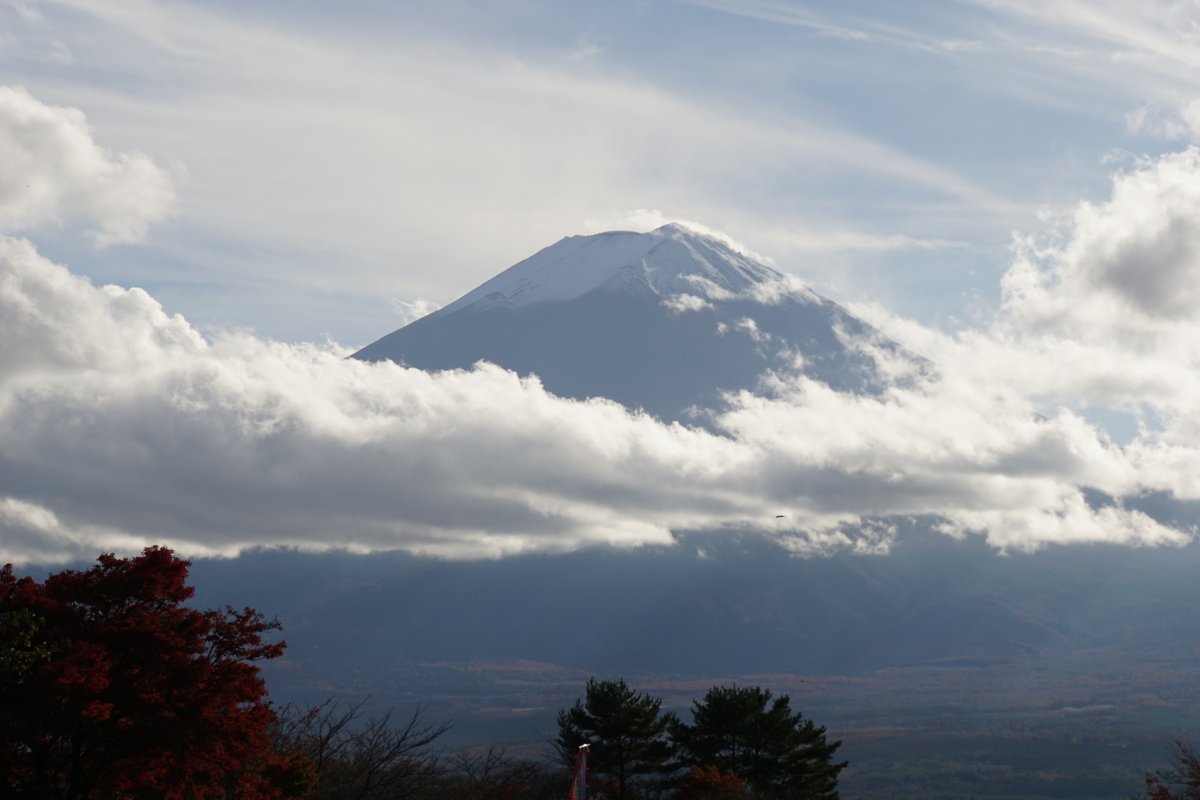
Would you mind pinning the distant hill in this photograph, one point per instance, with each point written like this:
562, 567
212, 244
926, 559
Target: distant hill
713, 604
948, 671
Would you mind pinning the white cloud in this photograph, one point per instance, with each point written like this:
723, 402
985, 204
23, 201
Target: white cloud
412, 310
122, 426
834, 241
1069, 521
384, 155
1159, 33
25, 10
54, 171
684, 303
789, 14
1144, 53
587, 47
1100, 311
1117, 287
1175, 122
963, 46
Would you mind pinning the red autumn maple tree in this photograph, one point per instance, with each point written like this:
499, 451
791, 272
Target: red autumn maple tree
1181, 781
111, 687
709, 783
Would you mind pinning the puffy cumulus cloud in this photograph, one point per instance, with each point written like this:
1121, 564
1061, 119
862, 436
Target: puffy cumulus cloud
54, 170
1130, 265
1069, 521
1177, 122
118, 418
951, 448
34, 533
1103, 309
1100, 313
412, 310
683, 303
122, 426
765, 292
51, 325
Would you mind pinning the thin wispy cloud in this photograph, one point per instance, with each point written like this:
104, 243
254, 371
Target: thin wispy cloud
54, 172
839, 24
1144, 52
377, 155
788, 14
1154, 31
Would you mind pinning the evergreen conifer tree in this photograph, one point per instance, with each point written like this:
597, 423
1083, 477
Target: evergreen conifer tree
630, 754
745, 732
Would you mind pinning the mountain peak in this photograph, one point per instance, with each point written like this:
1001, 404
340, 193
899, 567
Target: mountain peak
679, 228
669, 321
667, 261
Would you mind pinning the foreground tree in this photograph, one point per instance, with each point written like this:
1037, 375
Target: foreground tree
359, 757
1181, 781
747, 734
630, 753
493, 775
709, 783
356, 756
111, 687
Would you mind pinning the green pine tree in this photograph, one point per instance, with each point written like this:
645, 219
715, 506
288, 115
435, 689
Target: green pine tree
630, 752
747, 733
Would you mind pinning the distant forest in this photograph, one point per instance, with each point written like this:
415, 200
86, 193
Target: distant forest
111, 686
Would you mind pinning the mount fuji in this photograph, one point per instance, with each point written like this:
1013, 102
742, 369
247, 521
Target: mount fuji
666, 321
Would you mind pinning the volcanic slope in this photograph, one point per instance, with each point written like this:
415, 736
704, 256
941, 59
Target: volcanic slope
666, 321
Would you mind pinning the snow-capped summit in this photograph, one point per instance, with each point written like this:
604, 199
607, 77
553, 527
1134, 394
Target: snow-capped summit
667, 321
671, 260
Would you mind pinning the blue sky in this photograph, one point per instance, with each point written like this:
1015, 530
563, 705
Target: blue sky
204, 207
334, 163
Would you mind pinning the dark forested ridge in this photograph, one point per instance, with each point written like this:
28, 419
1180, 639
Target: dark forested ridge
945, 670
738, 604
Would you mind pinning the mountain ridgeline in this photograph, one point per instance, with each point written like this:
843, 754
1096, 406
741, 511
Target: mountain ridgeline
665, 321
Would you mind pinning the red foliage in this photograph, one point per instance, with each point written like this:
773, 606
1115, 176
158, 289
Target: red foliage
709, 783
1181, 782
120, 690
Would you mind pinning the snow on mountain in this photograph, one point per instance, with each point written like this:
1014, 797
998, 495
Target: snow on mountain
670, 261
666, 321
